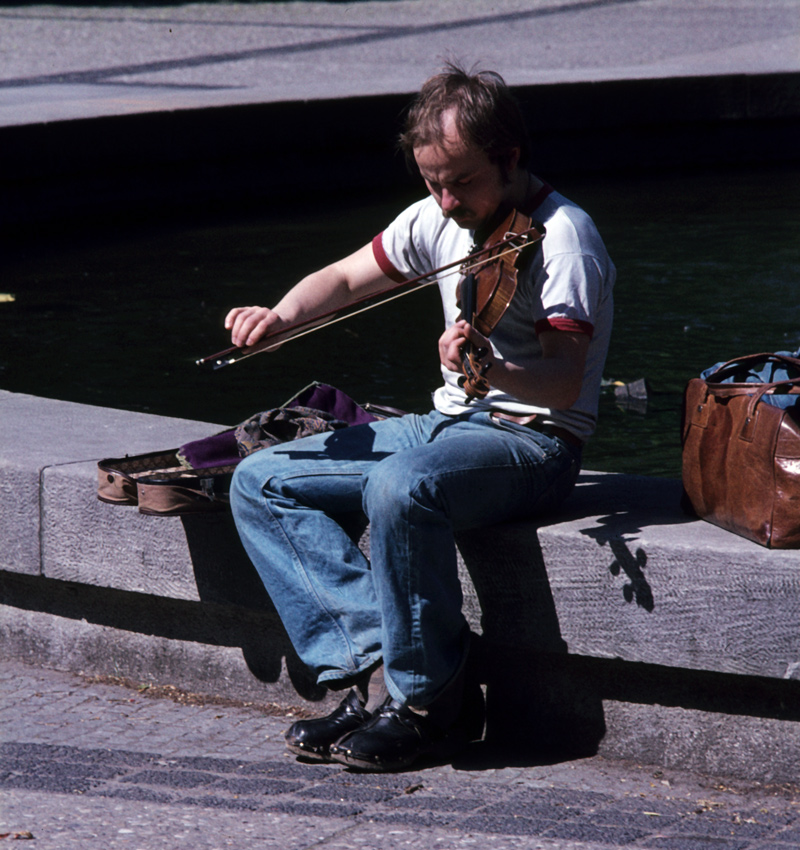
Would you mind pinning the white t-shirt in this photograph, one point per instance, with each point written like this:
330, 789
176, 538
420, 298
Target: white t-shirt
566, 286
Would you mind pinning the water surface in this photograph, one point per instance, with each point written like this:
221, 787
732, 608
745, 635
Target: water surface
708, 268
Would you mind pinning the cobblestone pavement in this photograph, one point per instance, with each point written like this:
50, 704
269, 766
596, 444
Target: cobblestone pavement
96, 765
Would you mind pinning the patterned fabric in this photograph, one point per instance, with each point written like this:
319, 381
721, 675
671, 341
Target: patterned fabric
281, 425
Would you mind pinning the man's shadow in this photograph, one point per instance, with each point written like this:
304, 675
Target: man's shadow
544, 704
227, 581
535, 714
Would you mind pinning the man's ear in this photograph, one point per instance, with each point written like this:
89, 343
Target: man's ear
509, 165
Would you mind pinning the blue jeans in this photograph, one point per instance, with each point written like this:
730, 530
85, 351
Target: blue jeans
419, 480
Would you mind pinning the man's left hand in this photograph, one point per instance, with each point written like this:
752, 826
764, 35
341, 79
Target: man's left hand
453, 340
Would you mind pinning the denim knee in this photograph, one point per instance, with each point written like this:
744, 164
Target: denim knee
392, 485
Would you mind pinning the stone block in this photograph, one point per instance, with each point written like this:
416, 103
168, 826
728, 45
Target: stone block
88, 541
625, 573
49, 448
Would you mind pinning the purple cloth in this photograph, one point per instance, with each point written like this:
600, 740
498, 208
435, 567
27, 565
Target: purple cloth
218, 450
222, 449
333, 401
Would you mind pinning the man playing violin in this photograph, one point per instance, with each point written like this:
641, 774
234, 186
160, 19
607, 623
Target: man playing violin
389, 632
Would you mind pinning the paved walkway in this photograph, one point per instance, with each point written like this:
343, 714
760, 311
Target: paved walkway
59, 62
100, 766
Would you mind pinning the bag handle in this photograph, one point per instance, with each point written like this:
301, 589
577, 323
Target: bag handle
731, 390
751, 419
749, 359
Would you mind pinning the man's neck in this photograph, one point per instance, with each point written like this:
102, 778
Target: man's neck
525, 188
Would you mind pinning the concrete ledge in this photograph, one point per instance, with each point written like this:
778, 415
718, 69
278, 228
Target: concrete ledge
50, 451
625, 626
626, 574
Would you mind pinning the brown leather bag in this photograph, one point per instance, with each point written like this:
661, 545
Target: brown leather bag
741, 453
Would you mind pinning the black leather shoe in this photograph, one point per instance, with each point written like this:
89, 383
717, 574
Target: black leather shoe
396, 736
311, 739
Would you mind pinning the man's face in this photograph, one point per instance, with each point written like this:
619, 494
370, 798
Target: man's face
468, 187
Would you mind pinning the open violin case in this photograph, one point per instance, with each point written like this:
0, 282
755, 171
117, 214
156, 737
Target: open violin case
196, 477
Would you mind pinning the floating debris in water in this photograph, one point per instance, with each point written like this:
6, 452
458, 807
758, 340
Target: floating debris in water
632, 396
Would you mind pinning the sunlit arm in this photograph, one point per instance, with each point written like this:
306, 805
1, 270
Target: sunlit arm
329, 289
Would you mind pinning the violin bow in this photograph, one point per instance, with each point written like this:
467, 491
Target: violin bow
315, 323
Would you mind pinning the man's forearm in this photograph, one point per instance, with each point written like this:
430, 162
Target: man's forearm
333, 287
552, 383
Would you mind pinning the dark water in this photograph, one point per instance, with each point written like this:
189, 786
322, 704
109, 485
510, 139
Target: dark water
709, 267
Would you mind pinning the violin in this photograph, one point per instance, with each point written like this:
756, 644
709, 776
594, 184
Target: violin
495, 250
487, 288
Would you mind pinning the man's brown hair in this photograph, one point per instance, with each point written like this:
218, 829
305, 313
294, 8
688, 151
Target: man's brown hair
486, 114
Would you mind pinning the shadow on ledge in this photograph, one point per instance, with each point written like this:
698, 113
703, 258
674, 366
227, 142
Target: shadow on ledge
533, 709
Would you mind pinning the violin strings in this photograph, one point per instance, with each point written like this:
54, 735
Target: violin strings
513, 249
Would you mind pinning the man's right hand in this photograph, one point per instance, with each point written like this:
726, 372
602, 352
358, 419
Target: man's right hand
250, 324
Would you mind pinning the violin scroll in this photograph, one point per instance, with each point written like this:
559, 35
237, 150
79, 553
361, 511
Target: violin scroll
474, 381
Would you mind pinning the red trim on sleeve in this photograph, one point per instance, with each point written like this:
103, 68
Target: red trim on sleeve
387, 267
561, 323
